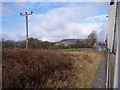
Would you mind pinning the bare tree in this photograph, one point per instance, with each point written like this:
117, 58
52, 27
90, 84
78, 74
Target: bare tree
91, 40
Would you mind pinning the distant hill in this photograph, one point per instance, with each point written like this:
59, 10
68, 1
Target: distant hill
71, 41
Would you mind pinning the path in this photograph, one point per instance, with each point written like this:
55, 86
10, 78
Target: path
100, 78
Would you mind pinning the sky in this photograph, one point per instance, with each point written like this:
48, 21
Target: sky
53, 21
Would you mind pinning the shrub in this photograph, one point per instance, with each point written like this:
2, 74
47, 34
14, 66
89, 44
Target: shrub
35, 68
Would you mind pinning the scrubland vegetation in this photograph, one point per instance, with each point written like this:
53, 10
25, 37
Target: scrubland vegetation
49, 65
48, 68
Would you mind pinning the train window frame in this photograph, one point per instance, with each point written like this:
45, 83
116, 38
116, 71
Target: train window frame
112, 2
114, 48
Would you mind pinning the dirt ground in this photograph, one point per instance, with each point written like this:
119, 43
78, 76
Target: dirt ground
100, 77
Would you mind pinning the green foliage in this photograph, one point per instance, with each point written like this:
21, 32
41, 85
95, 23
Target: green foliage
8, 43
74, 49
33, 44
76, 45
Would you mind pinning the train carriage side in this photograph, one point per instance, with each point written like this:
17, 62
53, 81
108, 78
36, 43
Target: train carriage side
113, 45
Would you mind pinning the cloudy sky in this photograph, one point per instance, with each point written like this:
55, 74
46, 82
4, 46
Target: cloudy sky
53, 21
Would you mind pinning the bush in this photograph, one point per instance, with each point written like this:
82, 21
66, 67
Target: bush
35, 68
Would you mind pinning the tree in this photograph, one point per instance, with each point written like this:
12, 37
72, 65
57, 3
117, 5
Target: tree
8, 44
91, 40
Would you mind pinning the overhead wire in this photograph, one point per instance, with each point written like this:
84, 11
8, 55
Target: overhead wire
26, 9
21, 10
17, 10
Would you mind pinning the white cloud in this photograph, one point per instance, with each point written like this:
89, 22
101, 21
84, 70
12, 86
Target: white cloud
66, 22
98, 18
70, 21
13, 36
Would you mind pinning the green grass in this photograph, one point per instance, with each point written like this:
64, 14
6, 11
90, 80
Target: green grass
74, 50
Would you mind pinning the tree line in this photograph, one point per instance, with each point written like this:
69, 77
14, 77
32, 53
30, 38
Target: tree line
38, 44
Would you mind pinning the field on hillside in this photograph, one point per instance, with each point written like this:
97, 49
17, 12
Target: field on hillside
48, 69
74, 50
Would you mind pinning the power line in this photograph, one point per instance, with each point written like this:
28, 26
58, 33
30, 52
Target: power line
17, 11
21, 10
28, 10
24, 9
40, 19
6, 6
32, 19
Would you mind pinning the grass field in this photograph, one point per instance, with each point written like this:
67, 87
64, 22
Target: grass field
49, 69
74, 50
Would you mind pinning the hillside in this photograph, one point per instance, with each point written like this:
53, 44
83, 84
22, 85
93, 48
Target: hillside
70, 41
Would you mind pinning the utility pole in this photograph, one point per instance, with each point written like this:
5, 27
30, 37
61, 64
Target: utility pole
26, 16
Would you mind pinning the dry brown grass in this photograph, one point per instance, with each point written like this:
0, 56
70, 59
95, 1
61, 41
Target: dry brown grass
51, 69
85, 67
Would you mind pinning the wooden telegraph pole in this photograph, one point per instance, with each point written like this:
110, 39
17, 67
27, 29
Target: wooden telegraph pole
26, 16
